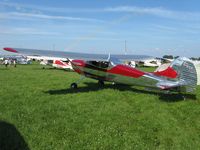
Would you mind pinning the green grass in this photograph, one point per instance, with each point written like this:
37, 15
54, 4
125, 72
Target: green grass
38, 110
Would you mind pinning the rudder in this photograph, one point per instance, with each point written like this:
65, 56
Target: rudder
186, 73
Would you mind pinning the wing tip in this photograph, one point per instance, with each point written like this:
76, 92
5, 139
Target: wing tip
10, 49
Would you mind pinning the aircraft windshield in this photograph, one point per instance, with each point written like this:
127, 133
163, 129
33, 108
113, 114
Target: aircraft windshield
114, 61
100, 64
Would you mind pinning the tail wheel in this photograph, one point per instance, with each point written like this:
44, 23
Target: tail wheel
74, 86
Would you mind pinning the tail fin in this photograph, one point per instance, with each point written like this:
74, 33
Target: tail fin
186, 74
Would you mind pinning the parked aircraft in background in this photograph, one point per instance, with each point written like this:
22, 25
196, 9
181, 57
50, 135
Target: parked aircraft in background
131, 64
153, 62
2, 58
18, 58
196, 62
57, 62
61, 64
180, 76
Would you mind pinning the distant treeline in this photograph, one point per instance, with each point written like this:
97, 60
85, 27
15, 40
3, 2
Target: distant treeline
193, 58
174, 57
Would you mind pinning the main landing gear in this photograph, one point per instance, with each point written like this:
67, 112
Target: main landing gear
74, 86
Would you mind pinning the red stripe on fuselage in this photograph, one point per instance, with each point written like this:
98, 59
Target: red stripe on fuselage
118, 69
126, 71
169, 72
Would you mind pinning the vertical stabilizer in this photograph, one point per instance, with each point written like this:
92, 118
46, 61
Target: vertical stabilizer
186, 73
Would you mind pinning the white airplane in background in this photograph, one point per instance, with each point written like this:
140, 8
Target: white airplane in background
62, 64
57, 62
150, 62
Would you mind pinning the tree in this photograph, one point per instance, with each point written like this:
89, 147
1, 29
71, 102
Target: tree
168, 57
176, 57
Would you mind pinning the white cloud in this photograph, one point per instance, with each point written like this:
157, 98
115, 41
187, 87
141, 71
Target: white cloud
29, 16
25, 31
157, 11
45, 8
158, 27
134, 9
190, 29
154, 11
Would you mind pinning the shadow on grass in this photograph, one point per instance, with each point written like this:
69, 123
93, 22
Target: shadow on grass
10, 138
52, 68
172, 97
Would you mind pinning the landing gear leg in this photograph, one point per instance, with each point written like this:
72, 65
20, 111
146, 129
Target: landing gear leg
75, 84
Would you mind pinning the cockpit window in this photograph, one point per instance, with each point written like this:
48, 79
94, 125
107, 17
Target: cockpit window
115, 61
99, 64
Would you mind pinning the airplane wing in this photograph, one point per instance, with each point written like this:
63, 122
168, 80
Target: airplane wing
74, 55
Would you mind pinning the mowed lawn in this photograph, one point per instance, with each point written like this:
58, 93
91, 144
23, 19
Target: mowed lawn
38, 110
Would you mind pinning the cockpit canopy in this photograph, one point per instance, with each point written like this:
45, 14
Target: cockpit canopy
112, 61
99, 64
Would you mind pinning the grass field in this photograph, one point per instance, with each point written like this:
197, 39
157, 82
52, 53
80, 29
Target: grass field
38, 110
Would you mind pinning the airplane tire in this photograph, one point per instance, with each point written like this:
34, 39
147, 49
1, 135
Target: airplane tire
74, 86
101, 83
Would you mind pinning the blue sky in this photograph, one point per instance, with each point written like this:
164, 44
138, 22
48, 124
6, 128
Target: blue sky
152, 27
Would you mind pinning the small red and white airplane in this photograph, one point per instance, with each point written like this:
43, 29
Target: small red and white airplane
62, 64
180, 76
56, 62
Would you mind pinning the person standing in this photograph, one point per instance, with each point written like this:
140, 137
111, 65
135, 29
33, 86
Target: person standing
6, 63
14, 63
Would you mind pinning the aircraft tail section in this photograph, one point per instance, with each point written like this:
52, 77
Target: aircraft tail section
186, 74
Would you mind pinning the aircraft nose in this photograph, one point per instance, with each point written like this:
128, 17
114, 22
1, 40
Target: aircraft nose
77, 62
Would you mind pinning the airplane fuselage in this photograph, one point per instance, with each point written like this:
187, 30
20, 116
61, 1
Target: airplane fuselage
120, 73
